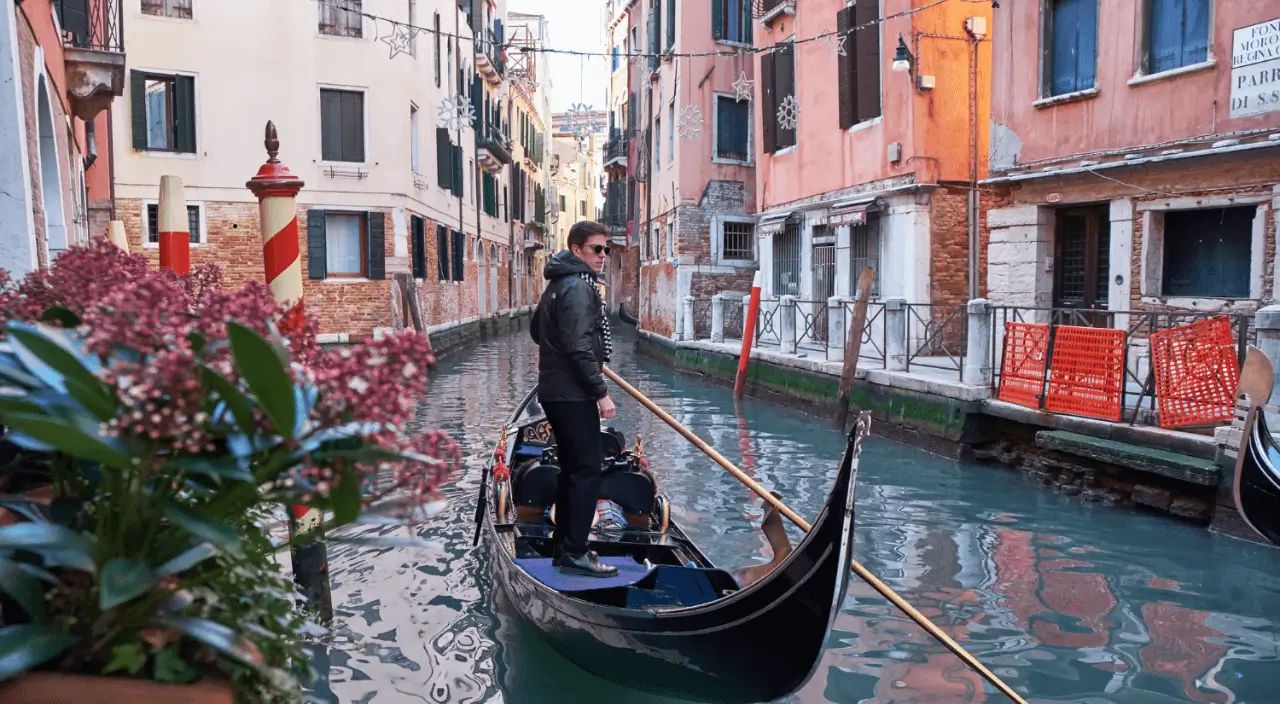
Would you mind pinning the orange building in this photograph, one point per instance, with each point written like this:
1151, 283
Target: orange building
871, 131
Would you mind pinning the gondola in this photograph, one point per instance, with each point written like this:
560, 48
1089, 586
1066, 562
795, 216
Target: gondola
671, 622
629, 320
1257, 480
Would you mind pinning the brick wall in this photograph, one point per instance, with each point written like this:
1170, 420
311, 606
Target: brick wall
949, 246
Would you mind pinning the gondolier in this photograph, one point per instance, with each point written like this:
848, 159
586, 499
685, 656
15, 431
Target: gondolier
572, 333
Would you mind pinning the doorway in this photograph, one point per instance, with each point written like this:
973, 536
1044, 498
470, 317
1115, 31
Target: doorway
1082, 256
824, 281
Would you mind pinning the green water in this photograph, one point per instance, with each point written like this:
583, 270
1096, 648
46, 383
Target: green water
1067, 601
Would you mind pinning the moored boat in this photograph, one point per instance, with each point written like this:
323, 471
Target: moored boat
671, 621
1257, 478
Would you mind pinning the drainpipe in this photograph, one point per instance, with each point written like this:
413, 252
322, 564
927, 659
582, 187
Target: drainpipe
111, 158
648, 208
974, 240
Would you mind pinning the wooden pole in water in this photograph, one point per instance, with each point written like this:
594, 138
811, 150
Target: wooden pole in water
853, 344
858, 569
748, 334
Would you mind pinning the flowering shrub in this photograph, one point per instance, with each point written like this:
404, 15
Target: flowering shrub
165, 412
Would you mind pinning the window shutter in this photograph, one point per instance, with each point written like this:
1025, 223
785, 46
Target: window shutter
867, 52
671, 24
317, 267
768, 102
1073, 45
352, 126
654, 28
459, 255
848, 76
717, 19
444, 158
1195, 31
506, 205
376, 256
418, 235
1087, 40
785, 69
330, 125
442, 252
138, 108
746, 21
457, 171
184, 114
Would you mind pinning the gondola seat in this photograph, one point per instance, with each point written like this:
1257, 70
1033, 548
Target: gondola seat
534, 485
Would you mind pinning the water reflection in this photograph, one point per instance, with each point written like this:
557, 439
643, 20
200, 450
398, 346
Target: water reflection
1067, 601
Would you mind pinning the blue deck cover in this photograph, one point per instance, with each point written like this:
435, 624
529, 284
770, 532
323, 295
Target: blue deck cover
541, 569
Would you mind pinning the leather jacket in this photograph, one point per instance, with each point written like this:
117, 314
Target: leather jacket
568, 326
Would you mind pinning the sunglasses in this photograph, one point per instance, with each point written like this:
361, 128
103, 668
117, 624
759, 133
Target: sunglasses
597, 249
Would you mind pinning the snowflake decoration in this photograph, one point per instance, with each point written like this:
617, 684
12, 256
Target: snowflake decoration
835, 44
743, 87
400, 40
454, 112
583, 121
689, 122
789, 113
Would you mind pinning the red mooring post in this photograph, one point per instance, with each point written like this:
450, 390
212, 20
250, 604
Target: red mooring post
277, 192
748, 337
172, 229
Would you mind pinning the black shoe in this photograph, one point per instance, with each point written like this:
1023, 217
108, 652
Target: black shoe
587, 565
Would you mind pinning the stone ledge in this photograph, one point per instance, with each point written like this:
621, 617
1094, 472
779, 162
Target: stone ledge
1203, 447
1172, 465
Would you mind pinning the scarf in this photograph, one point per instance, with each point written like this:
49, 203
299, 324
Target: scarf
604, 317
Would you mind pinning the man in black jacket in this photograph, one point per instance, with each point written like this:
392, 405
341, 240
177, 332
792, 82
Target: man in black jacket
572, 333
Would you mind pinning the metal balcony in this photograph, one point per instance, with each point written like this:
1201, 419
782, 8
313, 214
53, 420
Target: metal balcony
93, 32
615, 151
769, 10
493, 147
489, 61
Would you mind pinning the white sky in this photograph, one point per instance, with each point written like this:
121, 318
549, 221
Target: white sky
577, 25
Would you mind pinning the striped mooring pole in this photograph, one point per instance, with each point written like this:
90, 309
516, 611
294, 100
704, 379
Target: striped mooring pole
277, 192
172, 228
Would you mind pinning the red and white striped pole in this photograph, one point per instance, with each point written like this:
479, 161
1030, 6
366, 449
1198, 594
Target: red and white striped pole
172, 226
277, 192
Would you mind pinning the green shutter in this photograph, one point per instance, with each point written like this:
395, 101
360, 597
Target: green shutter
459, 255
717, 19
442, 252
184, 114
768, 102
457, 172
866, 55
138, 103
317, 263
444, 158
846, 71
418, 255
376, 257
671, 24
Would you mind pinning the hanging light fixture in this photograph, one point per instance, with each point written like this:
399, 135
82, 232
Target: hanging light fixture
902, 58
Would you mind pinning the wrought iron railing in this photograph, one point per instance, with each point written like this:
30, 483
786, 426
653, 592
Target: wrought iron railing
1138, 325
873, 334
733, 313
97, 25
616, 148
937, 336
812, 324
490, 47
769, 323
702, 318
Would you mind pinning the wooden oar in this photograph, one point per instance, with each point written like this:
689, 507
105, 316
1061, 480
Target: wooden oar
858, 569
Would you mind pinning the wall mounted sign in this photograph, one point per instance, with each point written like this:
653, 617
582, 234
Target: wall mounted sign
1255, 69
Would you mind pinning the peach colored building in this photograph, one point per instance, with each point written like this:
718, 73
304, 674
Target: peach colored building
61, 63
871, 130
690, 152
1136, 147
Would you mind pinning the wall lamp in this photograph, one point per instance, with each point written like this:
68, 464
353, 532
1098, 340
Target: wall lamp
902, 58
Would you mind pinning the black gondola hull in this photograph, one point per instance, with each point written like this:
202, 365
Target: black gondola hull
1257, 481
760, 644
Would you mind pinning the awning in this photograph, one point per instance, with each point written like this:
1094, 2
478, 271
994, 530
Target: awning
773, 223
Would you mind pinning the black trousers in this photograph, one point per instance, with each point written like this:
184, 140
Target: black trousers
576, 425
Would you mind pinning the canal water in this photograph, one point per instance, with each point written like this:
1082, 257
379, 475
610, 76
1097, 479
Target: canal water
1067, 601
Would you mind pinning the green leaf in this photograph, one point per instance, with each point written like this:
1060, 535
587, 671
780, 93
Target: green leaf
79, 382
262, 368
23, 588
123, 580
43, 536
218, 637
128, 657
15, 404
204, 527
345, 498
28, 646
58, 314
171, 668
239, 405
69, 439
187, 559
197, 342
223, 467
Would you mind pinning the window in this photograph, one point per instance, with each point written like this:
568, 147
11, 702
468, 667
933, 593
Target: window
346, 244
786, 261
418, 246
657, 144
341, 125
859, 69
163, 111
671, 134
442, 252
193, 224
738, 241
864, 250
731, 20
1177, 34
1207, 252
436, 38
582, 208
778, 85
489, 195
671, 24
613, 58
413, 22
459, 255
415, 159
635, 40
1082, 249
563, 206
733, 124
177, 9
1072, 46
342, 18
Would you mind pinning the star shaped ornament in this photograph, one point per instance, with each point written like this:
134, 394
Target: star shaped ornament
743, 88
400, 40
835, 44
454, 113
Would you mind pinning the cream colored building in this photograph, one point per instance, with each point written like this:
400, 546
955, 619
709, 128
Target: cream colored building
357, 103
530, 85
575, 182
